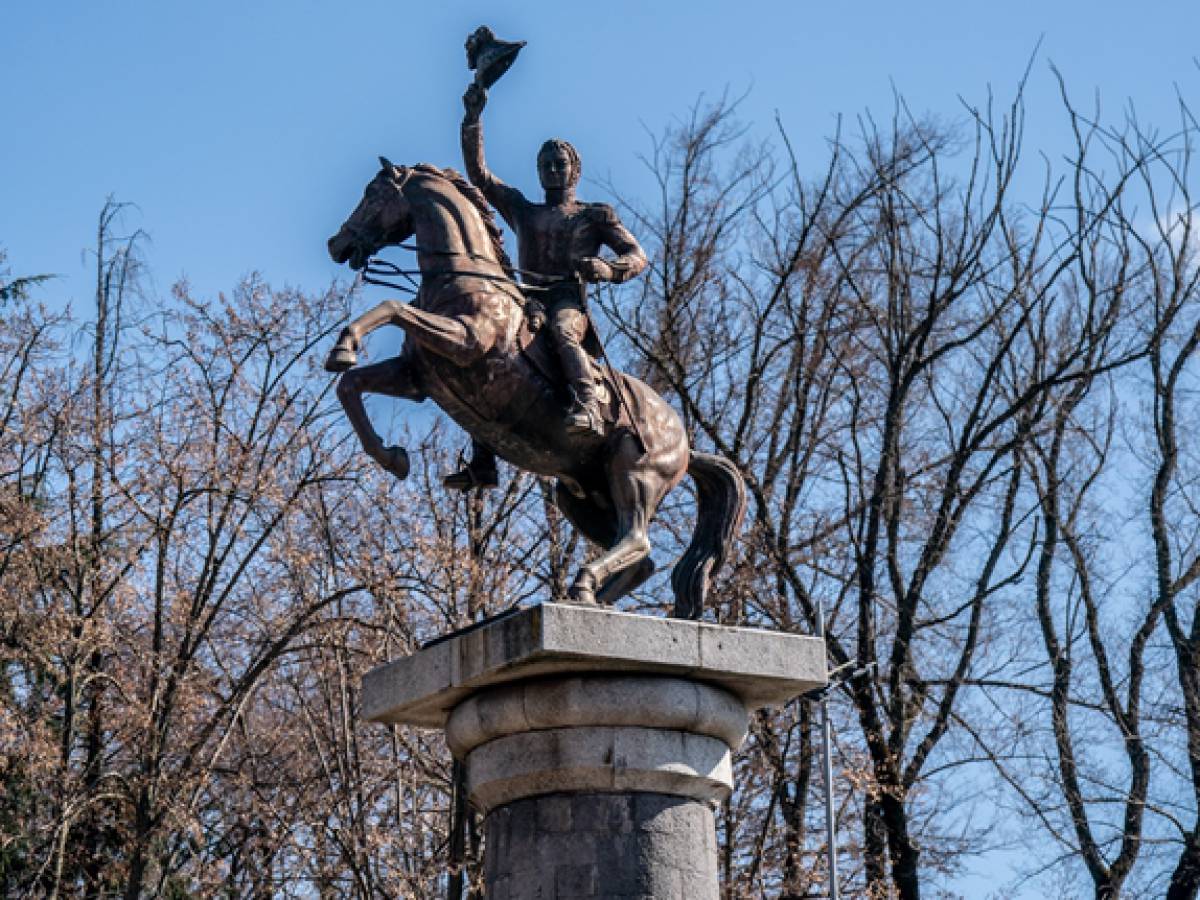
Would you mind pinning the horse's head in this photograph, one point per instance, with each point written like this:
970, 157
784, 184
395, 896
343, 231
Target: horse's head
381, 218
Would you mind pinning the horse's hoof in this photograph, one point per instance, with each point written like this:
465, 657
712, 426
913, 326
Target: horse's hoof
581, 596
340, 359
394, 459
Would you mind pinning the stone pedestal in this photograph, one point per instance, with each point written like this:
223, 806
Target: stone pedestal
595, 741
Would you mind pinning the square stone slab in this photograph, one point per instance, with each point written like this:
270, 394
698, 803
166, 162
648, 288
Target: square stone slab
763, 668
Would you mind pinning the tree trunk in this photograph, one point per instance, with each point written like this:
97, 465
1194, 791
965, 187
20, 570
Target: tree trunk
1185, 880
875, 849
904, 853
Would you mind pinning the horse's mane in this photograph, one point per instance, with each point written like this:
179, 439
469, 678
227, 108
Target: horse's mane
477, 199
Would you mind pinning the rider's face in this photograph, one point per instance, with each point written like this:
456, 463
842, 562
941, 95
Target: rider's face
555, 169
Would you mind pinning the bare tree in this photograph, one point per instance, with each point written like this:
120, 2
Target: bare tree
876, 350
32, 400
1107, 792
1174, 503
197, 569
941, 392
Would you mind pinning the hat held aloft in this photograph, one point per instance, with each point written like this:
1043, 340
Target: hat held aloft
489, 56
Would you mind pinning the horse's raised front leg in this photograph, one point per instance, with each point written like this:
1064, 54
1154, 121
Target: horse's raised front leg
461, 339
344, 354
393, 378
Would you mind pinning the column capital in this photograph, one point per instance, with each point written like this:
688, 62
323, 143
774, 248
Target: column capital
761, 668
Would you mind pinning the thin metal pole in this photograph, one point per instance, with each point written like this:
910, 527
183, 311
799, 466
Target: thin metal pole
827, 768
458, 831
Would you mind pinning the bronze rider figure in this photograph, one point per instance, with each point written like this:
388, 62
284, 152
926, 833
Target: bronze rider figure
558, 241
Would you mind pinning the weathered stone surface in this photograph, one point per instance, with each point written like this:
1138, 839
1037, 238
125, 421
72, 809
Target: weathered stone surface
607, 758
762, 668
596, 741
661, 848
654, 701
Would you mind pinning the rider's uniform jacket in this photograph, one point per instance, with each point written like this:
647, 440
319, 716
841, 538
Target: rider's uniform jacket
552, 239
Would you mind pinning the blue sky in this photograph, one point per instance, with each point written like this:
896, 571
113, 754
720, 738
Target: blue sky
244, 132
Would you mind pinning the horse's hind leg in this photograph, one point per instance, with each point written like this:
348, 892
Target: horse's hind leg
392, 378
596, 523
636, 489
599, 526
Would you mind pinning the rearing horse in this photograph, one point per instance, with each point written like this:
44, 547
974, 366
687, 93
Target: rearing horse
467, 348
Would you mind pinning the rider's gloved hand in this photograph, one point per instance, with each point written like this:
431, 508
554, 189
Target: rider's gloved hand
535, 313
474, 100
593, 269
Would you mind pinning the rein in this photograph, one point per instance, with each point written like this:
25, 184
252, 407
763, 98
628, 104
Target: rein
377, 270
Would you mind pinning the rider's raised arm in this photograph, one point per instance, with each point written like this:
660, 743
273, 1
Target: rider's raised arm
506, 199
631, 260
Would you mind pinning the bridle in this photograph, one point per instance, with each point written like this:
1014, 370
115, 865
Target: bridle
376, 271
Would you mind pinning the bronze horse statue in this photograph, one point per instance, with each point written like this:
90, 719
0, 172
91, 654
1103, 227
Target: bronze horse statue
468, 347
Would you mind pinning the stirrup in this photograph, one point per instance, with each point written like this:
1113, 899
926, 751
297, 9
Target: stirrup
584, 418
469, 477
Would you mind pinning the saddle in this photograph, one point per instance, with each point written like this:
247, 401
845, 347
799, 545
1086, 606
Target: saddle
536, 344
535, 319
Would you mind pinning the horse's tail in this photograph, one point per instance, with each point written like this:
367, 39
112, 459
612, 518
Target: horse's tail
720, 506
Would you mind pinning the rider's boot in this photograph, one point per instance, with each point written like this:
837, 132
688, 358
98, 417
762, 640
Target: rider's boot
479, 473
585, 415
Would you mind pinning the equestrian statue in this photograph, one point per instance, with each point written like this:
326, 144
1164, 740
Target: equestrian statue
512, 362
